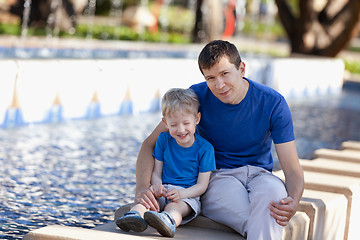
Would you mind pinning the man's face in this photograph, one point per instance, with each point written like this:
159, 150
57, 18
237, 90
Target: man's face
225, 81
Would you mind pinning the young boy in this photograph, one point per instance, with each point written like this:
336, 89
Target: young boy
183, 163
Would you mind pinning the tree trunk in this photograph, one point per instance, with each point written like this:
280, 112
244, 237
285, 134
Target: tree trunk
209, 21
40, 11
323, 31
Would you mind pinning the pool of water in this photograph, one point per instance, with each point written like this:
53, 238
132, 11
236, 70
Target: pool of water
79, 172
94, 53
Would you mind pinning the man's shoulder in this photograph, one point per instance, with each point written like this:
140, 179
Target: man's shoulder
203, 142
260, 89
199, 86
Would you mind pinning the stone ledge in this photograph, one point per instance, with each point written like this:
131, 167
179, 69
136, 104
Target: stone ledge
296, 229
351, 145
323, 165
343, 155
327, 213
348, 186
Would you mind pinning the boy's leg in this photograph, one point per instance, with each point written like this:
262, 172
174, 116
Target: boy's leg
263, 187
139, 208
178, 210
226, 200
189, 210
166, 222
133, 220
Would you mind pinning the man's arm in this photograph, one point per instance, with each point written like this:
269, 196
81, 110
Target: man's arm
144, 168
294, 182
156, 179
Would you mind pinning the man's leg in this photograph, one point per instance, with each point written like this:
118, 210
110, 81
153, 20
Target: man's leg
226, 200
263, 187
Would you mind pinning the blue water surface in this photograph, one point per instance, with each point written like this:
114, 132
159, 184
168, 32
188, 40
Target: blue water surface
78, 173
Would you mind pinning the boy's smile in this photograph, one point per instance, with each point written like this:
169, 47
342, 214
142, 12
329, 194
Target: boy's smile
182, 126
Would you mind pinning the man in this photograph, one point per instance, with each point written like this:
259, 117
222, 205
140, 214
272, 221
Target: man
241, 118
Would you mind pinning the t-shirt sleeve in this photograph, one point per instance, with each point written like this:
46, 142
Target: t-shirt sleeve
207, 162
282, 129
159, 149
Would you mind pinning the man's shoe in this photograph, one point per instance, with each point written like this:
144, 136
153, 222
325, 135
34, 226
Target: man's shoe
163, 222
132, 221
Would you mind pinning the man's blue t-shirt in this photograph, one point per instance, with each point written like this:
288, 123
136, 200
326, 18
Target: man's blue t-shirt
182, 165
242, 134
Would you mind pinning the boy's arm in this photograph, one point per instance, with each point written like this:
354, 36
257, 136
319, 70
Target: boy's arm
198, 189
144, 168
294, 182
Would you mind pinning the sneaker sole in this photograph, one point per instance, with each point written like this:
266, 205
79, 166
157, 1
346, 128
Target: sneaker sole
155, 222
135, 224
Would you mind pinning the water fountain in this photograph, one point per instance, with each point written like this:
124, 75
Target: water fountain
73, 160
91, 87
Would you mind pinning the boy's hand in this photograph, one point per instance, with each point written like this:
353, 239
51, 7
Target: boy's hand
173, 195
159, 190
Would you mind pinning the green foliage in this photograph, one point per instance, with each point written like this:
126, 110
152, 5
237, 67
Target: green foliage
180, 19
354, 49
10, 29
263, 30
124, 33
352, 66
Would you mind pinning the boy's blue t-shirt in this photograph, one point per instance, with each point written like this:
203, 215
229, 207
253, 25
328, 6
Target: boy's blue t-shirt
182, 165
242, 134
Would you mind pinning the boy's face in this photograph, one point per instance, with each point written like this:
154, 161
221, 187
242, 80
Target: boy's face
182, 126
224, 81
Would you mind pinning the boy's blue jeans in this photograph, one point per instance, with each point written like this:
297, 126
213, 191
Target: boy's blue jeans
239, 198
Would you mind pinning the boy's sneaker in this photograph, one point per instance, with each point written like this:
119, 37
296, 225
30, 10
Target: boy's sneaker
132, 221
163, 222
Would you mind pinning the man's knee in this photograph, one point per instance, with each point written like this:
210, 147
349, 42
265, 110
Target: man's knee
268, 187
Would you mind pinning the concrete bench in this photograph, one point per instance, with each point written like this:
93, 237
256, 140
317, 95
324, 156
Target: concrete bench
351, 145
331, 166
327, 214
348, 186
296, 229
110, 231
343, 155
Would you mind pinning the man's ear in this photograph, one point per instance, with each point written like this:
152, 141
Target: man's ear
164, 121
198, 117
242, 69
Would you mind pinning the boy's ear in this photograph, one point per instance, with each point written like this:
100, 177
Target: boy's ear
198, 117
164, 121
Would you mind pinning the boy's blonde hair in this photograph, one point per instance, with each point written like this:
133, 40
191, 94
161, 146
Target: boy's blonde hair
179, 99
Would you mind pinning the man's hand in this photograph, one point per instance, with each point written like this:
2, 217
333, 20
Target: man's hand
147, 198
283, 211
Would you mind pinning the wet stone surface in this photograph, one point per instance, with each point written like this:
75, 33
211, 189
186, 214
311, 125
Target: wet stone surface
78, 173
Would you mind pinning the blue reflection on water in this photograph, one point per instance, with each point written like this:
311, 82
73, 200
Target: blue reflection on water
85, 53
325, 122
77, 173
